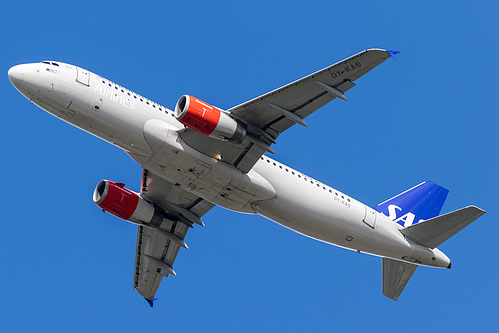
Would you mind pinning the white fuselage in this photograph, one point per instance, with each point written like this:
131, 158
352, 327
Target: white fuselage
149, 133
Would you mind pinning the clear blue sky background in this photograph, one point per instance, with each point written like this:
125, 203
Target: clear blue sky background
430, 115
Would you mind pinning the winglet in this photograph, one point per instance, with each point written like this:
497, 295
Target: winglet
151, 302
393, 53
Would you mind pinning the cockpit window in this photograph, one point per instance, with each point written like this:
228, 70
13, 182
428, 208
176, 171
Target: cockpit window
50, 63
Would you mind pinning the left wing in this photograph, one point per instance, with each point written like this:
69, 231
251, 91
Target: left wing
267, 116
158, 247
278, 110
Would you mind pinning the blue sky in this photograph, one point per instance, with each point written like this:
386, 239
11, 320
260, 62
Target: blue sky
429, 115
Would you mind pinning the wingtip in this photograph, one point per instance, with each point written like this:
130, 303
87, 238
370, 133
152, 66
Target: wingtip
151, 302
393, 53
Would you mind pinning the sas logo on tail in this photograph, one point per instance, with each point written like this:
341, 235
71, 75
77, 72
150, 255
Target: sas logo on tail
405, 220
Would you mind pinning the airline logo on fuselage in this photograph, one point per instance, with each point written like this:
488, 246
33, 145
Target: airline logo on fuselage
113, 95
405, 220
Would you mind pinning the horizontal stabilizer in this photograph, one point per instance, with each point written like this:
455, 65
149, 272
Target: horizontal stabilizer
435, 231
396, 274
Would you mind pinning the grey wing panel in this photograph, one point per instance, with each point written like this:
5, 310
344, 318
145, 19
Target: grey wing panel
396, 275
308, 94
165, 194
272, 113
158, 247
154, 258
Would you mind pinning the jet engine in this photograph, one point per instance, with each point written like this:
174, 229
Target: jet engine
127, 205
208, 120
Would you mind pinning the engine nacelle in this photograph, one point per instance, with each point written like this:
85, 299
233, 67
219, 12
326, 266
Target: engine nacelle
121, 202
208, 120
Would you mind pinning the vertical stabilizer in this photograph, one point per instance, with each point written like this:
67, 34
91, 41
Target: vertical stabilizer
417, 204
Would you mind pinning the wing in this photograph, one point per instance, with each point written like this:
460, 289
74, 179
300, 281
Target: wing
158, 247
267, 116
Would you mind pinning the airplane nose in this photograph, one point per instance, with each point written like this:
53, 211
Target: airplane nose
16, 75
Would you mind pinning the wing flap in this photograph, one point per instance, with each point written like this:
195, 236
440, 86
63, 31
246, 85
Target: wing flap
396, 275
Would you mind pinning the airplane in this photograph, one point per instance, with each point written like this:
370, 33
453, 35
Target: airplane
198, 156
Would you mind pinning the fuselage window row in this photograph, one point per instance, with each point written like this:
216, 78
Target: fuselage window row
305, 178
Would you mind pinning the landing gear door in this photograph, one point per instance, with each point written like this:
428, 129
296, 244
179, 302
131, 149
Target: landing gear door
82, 76
370, 217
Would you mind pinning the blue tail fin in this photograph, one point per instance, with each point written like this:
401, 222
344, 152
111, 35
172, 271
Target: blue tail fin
422, 202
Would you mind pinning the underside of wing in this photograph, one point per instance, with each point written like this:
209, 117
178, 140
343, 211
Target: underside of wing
242, 155
267, 116
276, 111
159, 244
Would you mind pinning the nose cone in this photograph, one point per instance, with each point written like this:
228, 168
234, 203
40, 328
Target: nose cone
16, 75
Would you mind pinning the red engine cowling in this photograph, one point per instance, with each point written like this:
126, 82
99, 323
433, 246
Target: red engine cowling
121, 202
207, 119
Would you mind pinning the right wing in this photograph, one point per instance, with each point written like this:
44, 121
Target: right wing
158, 247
